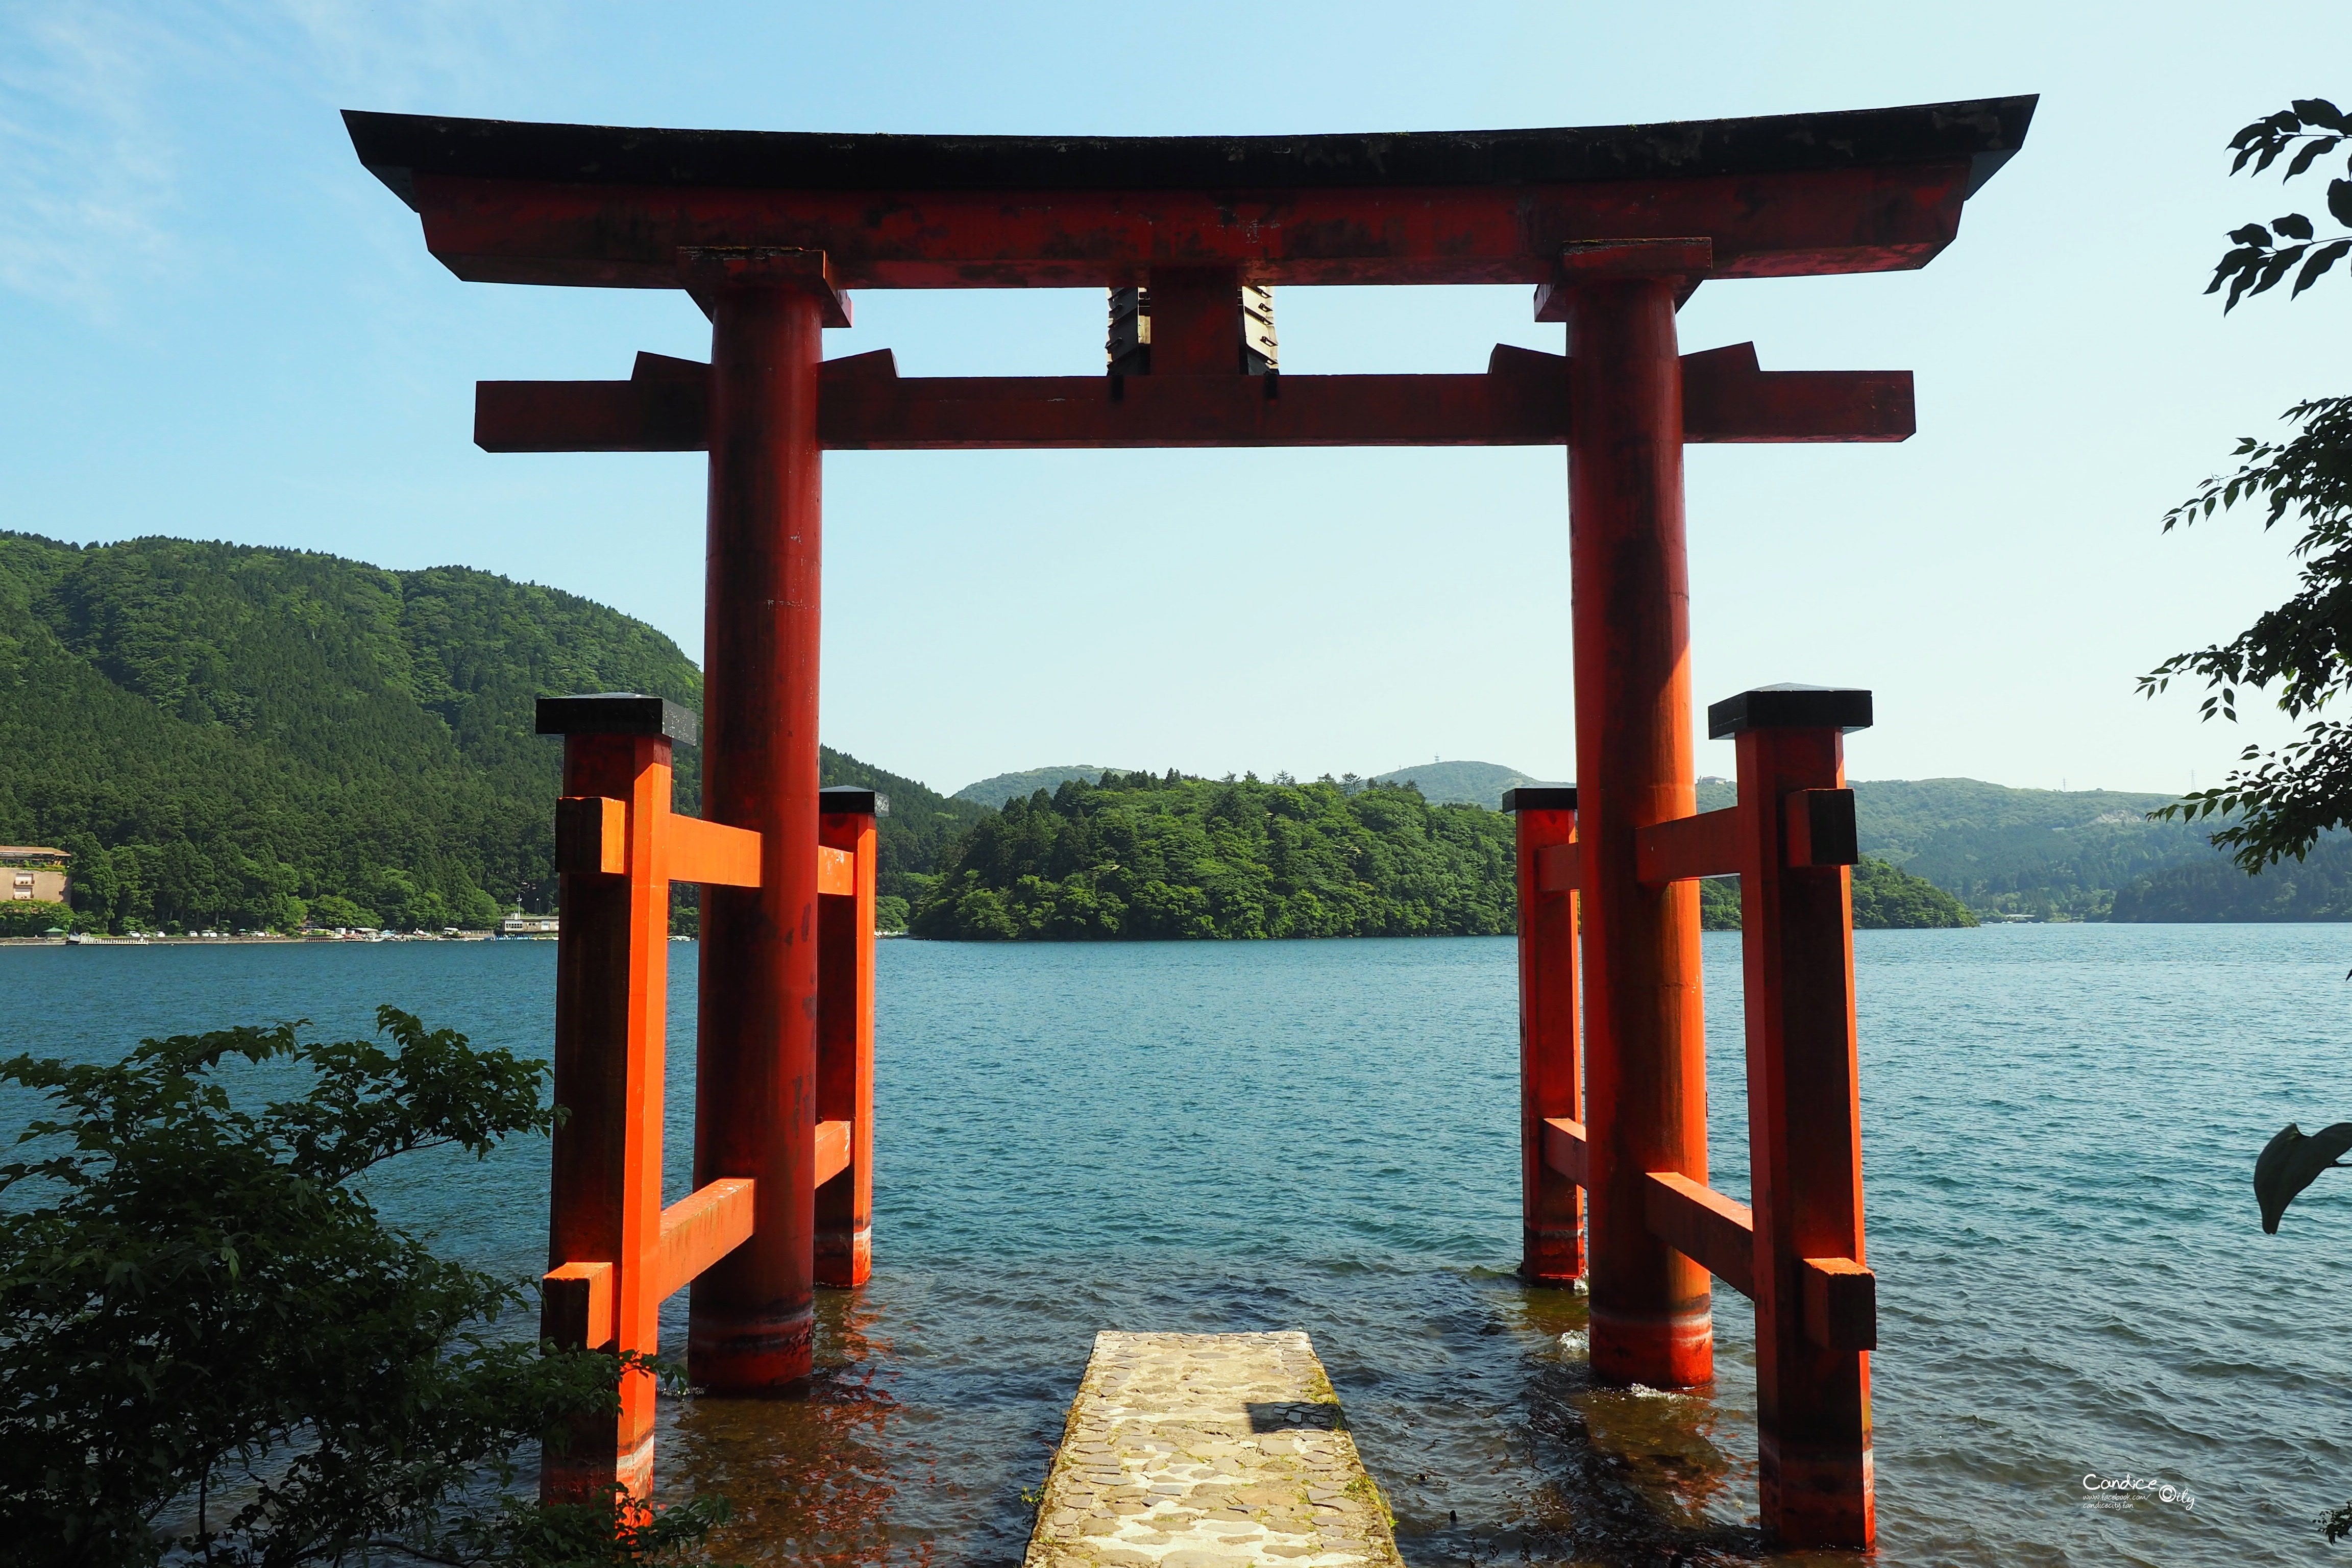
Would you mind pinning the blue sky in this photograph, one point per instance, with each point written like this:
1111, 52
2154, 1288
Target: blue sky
217, 325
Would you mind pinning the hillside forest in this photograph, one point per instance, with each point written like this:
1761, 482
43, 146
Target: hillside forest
1145, 855
237, 738
233, 738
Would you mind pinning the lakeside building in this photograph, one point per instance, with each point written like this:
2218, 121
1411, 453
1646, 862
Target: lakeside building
31, 872
520, 924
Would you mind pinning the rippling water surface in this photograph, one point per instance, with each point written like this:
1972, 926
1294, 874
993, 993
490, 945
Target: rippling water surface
2059, 1122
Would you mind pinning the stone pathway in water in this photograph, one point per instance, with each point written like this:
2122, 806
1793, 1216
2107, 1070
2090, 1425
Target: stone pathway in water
1209, 1451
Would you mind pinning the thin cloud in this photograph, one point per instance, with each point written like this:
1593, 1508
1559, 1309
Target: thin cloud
108, 113
87, 164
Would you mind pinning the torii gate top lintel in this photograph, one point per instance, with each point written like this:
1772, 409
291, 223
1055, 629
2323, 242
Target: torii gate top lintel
1780, 195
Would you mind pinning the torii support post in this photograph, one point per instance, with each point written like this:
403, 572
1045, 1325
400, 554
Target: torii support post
610, 994
1645, 1041
845, 1022
1552, 1100
1796, 1252
752, 1318
1815, 1300
615, 1254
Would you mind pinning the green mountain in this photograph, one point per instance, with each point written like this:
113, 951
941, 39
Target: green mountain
994, 792
2002, 853
1440, 783
227, 736
922, 827
1459, 784
1140, 856
2040, 853
2209, 887
239, 737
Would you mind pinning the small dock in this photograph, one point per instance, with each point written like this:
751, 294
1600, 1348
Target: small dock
1209, 1451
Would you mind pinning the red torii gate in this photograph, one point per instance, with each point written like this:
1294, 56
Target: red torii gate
770, 232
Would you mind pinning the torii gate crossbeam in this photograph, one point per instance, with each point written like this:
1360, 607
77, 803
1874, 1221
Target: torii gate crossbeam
1613, 227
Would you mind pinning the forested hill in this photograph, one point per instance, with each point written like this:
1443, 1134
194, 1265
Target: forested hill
1138, 856
1141, 856
232, 737
2211, 888
1466, 784
994, 791
2038, 854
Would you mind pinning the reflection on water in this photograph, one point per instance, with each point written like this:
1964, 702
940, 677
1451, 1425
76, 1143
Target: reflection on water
1491, 1443
1628, 1475
815, 1480
2058, 1125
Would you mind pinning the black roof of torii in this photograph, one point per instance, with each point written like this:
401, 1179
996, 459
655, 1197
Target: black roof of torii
396, 147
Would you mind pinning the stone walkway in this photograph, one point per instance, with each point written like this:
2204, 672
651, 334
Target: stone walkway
1209, 1451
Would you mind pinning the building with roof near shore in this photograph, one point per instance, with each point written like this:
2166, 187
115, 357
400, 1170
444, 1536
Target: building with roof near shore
32, 871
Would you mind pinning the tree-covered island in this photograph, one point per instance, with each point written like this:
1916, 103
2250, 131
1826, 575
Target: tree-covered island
1161, 856
1140, 855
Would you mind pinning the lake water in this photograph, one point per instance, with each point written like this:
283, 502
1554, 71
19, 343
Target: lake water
2059, 1128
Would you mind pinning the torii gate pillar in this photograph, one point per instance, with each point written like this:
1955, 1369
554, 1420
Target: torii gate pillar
753, 1313
1646, 1060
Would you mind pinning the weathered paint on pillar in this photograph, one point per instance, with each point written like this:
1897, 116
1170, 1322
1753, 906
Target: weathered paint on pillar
845, 1070
1644, 1060
1550, 1078
610, 996
1814, 1439
751, 1316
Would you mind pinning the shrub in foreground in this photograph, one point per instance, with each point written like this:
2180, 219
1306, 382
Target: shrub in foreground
210, 1344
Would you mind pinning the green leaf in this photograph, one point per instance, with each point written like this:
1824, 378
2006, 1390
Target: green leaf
2325, 257
2295, 226
2319, 111
2339, 200
2276, 267
2310, 152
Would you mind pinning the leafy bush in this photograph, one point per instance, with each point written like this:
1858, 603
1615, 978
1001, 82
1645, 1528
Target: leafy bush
34, 917
210, 1344
2278, 804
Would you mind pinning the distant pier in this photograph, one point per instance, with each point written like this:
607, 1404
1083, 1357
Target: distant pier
1204, 1451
